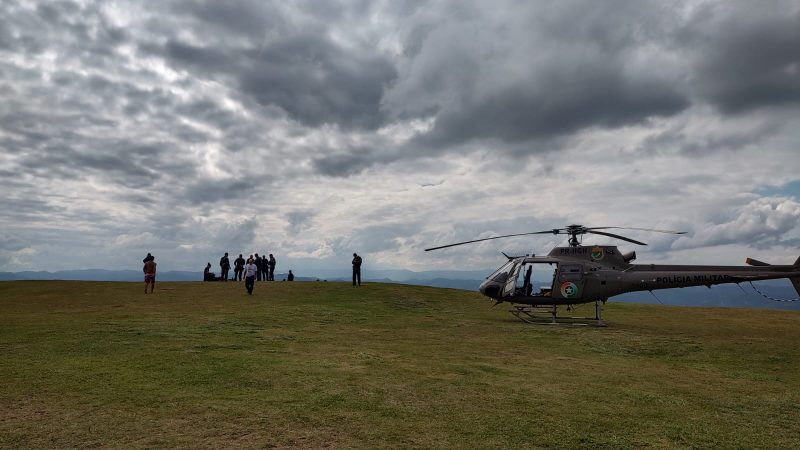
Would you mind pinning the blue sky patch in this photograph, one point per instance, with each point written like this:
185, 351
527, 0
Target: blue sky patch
791, 189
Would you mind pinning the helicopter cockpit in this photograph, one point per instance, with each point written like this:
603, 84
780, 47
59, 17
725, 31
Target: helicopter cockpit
521, 277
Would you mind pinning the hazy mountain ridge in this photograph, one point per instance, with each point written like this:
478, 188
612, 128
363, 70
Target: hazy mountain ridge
99, 275
179, 275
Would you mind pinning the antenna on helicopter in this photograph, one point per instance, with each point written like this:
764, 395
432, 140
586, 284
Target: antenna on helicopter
573, 231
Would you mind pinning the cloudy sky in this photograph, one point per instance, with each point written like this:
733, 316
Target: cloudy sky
313, 129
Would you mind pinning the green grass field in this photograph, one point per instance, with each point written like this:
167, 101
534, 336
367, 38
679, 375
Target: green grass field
197, 365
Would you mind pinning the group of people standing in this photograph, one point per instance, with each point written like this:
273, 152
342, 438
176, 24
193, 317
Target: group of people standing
264, 268
255, 268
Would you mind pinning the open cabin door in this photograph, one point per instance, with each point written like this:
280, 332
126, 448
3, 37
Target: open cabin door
570, 281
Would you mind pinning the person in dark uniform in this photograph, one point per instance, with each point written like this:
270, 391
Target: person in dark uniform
207, 275
272, 262
290, 277
224, 266
258, 261
527, 287
238, 268
356, 269
265, 268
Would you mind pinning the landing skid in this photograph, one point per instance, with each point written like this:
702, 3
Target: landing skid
548, 315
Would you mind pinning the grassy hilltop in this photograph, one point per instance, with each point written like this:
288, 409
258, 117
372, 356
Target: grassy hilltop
87, 364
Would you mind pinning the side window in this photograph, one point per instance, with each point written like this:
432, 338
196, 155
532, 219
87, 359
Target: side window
571, 272
512, 280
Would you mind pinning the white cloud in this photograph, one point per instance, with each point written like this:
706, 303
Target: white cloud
762, 222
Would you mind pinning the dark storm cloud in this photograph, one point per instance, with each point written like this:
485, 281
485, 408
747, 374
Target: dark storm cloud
344, 164
746, 55
123, 163
66, 158
211, 191
64, 145
304, 71
133, 198
12, 178
6, 38
24, 210
207, 111
245, 17
587, 68
68, 124
318, 82
520, 114
560, 69
79, 26
528, 73
202, 58
678, 140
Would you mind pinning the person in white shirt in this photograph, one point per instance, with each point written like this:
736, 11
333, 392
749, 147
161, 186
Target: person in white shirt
250, 270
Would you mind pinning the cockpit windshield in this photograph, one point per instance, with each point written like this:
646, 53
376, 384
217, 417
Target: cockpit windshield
501, 274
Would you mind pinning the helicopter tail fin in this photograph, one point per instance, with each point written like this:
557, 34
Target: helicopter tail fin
796, 280
796, 283
755, 262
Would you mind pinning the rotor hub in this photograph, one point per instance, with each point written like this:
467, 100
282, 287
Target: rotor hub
573, 231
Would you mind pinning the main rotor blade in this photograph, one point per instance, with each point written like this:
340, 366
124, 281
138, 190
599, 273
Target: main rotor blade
488, 239
616, 236
640, 229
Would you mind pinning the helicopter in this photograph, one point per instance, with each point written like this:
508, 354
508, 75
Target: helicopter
584, 274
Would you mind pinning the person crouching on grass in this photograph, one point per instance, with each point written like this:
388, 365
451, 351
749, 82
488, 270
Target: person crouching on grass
149, 274
250, 270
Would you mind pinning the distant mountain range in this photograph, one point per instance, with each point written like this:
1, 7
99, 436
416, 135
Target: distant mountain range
458, 279
728, 295
99, 275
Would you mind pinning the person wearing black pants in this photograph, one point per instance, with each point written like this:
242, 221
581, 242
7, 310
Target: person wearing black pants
224, 266
238, 268
272, 262
250, 276
356, 269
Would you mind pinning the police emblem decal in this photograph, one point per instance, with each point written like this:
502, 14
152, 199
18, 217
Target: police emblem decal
569, 289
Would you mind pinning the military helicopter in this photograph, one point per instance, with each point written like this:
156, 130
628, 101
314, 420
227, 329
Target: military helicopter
585, 274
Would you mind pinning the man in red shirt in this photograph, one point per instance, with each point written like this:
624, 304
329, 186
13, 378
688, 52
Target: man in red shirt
149, 275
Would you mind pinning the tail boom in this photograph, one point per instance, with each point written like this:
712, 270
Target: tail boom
651, 277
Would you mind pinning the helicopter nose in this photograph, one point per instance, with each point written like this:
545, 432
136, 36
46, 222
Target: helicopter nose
490, 289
